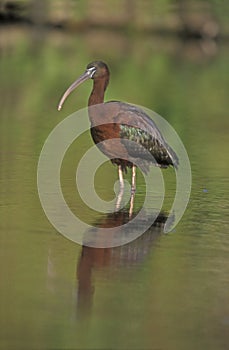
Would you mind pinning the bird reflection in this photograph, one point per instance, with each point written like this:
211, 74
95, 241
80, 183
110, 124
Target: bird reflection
119, 201
131, 254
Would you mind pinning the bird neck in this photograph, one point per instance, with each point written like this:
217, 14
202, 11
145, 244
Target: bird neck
98, 91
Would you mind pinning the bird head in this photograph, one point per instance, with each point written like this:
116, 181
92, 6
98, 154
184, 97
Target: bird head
98, 70
95, 70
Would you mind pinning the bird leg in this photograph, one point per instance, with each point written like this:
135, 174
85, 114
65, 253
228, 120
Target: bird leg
121, 188
120, 175
133, 189
133, 182
121, 191
119, 200
131, 204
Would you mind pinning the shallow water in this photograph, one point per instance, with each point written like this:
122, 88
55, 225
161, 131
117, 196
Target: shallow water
161, 291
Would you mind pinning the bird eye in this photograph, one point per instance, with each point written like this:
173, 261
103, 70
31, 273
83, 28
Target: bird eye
91, 71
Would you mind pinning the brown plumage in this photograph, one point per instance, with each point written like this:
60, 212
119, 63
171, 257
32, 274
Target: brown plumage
123, 122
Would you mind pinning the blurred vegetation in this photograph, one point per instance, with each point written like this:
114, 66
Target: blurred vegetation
205, 18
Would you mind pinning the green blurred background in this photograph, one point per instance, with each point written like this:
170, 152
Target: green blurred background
164, 291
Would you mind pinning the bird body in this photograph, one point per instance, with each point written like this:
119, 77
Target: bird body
128, 122
121, 123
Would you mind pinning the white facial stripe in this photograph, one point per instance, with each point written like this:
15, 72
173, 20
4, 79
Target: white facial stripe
91, 71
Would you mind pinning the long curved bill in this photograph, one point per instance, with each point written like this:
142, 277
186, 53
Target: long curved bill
85, 76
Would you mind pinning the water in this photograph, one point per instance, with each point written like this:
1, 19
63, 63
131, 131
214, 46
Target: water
162, 291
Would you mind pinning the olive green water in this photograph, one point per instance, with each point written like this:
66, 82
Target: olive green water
159, 292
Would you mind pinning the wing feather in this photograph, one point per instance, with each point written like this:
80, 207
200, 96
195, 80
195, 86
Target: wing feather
145, 135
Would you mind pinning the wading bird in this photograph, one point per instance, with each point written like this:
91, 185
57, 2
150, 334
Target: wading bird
123, 122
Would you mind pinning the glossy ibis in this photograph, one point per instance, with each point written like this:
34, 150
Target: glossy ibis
124, 122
